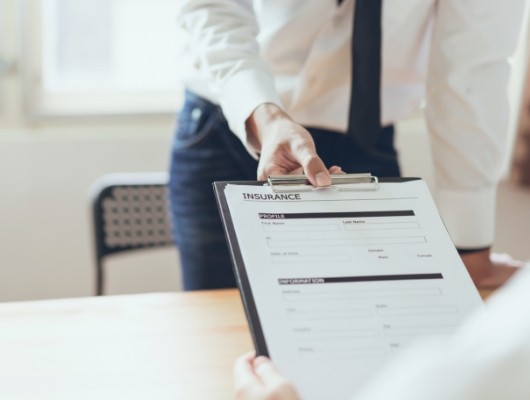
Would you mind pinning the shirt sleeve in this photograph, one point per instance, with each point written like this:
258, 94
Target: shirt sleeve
488, 357
468, 112
222, 40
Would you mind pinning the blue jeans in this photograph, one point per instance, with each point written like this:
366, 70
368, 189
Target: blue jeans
205, 150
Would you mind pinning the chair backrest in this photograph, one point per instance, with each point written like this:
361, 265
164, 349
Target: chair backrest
130, 212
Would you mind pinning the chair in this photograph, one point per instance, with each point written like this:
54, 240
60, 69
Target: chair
130, 212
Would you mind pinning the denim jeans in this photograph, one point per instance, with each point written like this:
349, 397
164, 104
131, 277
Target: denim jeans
205, 150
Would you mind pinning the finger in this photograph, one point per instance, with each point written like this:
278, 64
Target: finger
266, 371
316, 171
313, 166
504, 259
298, 171
274, 383
244, 374
335, 169
264, 173
262, 176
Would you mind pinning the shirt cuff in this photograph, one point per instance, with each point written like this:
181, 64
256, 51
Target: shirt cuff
469, 216
241, 95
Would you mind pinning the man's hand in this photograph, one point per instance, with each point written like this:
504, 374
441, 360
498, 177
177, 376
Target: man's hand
490, 270
258, 379
285, 147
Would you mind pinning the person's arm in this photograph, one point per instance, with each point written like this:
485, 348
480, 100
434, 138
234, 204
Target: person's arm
222, 39
285, 146
467, 114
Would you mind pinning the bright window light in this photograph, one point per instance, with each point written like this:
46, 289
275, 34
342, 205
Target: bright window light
104, 57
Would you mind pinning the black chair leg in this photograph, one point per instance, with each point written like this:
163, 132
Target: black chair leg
99, 279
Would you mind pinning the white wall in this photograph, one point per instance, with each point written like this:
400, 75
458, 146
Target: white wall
45, 242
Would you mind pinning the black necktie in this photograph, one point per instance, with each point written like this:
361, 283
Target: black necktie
364, 124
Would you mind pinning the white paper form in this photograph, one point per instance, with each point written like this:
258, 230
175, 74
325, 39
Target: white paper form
344, 280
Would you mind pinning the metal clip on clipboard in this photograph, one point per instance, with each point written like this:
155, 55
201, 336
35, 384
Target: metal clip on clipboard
341, 182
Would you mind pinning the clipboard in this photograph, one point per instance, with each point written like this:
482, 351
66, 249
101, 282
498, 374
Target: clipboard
278, 184
337, 281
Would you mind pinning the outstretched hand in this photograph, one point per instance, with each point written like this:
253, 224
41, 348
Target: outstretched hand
258, 379
488, 270
285, 147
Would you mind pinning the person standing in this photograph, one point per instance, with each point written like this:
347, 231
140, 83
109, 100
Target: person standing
283, 86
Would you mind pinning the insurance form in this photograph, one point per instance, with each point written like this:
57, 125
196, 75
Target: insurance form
343, 281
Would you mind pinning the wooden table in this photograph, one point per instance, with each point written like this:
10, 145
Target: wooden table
149, 346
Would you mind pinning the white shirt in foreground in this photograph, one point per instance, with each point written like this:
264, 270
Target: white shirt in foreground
488, 358
296, 53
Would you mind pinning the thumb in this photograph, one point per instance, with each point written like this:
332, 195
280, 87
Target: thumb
313, 166
275, 383
266, 371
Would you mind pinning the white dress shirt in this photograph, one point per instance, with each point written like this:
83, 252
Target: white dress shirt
296, 53
488, 358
